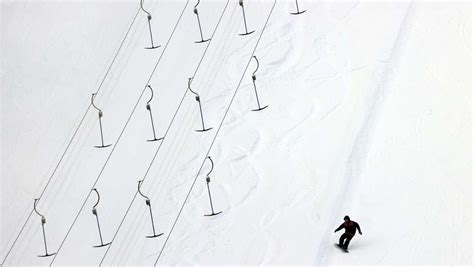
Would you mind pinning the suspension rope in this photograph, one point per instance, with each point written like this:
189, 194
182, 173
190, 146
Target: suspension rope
73, 135
118, 74
163, 179
167, 130
121, 134
124, 47
174, 148
215, 136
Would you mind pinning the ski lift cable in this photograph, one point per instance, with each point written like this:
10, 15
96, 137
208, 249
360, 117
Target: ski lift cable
120, 135
233, 12
73, 135
154, 194
46, 202
163, 178
127, 244
135, 218
142, 209
233, 26
141, 221
113, 149
215, 136
198, 68
49, 201
26, 230
169, 126
142, 225
150, 88
190, 122
68, 158
120, 245
207, 47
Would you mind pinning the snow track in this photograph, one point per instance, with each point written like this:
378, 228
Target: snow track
368, 115
357, 157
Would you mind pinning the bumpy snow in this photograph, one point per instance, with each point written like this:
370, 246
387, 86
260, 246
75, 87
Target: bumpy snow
369, 114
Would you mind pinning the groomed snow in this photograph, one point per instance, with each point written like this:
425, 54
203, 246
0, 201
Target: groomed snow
369, 115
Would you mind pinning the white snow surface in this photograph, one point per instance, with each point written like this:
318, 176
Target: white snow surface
369, 115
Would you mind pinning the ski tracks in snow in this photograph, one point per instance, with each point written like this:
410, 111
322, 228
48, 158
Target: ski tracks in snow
356, 160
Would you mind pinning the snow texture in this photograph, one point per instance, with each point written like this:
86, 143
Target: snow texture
369, 115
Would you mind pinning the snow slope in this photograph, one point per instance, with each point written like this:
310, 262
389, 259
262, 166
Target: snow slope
369, 115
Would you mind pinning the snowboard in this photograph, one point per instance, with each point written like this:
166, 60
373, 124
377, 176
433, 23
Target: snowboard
341, 248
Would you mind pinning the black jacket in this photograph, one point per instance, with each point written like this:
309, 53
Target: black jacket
350, 227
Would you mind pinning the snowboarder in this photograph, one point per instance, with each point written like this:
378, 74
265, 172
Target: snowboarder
350, 228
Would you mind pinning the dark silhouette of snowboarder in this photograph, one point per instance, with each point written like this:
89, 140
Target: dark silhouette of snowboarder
350, 228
